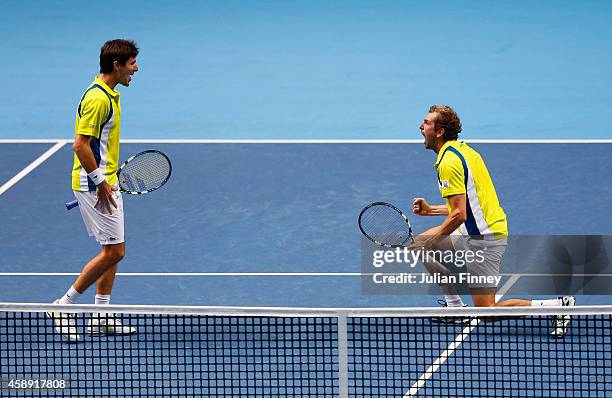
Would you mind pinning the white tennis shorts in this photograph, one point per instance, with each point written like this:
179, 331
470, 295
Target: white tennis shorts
107, 229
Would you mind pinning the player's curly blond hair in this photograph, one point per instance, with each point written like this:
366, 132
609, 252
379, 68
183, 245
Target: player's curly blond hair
448, 120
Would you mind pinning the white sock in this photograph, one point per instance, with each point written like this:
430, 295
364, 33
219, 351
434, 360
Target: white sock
453, 300
70, 297
546, 303
102, 299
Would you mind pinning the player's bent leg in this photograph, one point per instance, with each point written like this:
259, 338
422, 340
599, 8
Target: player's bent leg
108, 323
485, 297
435, 266
102, 267
104, 284
514, 303
114, 253
97, 266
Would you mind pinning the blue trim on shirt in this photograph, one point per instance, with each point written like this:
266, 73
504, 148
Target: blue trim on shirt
470, 222
104, 91
94, 144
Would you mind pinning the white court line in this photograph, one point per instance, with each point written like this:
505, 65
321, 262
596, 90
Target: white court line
34, 140
364, 141
555, 275
414, 389
31, 167
317, 141
352, 274
265, 274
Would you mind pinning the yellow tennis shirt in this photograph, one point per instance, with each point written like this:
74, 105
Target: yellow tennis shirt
98, 116
461, 170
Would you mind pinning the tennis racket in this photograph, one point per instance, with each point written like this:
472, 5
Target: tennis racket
142, 173
385, 225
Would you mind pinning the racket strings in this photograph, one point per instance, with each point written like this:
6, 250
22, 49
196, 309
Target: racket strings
385, 225
145, 172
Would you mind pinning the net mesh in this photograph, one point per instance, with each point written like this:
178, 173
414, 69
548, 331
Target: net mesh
384, 224
388, 357
147, 171
368, 353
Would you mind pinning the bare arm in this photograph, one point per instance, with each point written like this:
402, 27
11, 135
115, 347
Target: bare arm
82, 149
453, 220
422, 208
456, 216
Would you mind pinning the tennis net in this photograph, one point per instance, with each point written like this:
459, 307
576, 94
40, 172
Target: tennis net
305, 352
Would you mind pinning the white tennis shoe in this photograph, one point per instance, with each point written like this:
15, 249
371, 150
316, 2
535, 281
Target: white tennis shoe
562, 322
108, 324
458, 320
64, 324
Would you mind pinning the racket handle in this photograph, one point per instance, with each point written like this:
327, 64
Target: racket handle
72, 204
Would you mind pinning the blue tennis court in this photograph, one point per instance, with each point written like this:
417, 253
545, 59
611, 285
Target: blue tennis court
272, 224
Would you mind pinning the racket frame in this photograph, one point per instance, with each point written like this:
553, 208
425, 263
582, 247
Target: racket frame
401, 213
74, 203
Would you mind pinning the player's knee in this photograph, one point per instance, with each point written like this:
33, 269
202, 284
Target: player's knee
484, 301
114, 253
119, 256
119, 253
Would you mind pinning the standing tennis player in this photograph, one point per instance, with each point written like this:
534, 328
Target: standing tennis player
94, 182
474, 219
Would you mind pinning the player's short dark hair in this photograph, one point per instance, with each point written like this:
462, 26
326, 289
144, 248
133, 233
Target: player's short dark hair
448, 120
116, 50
